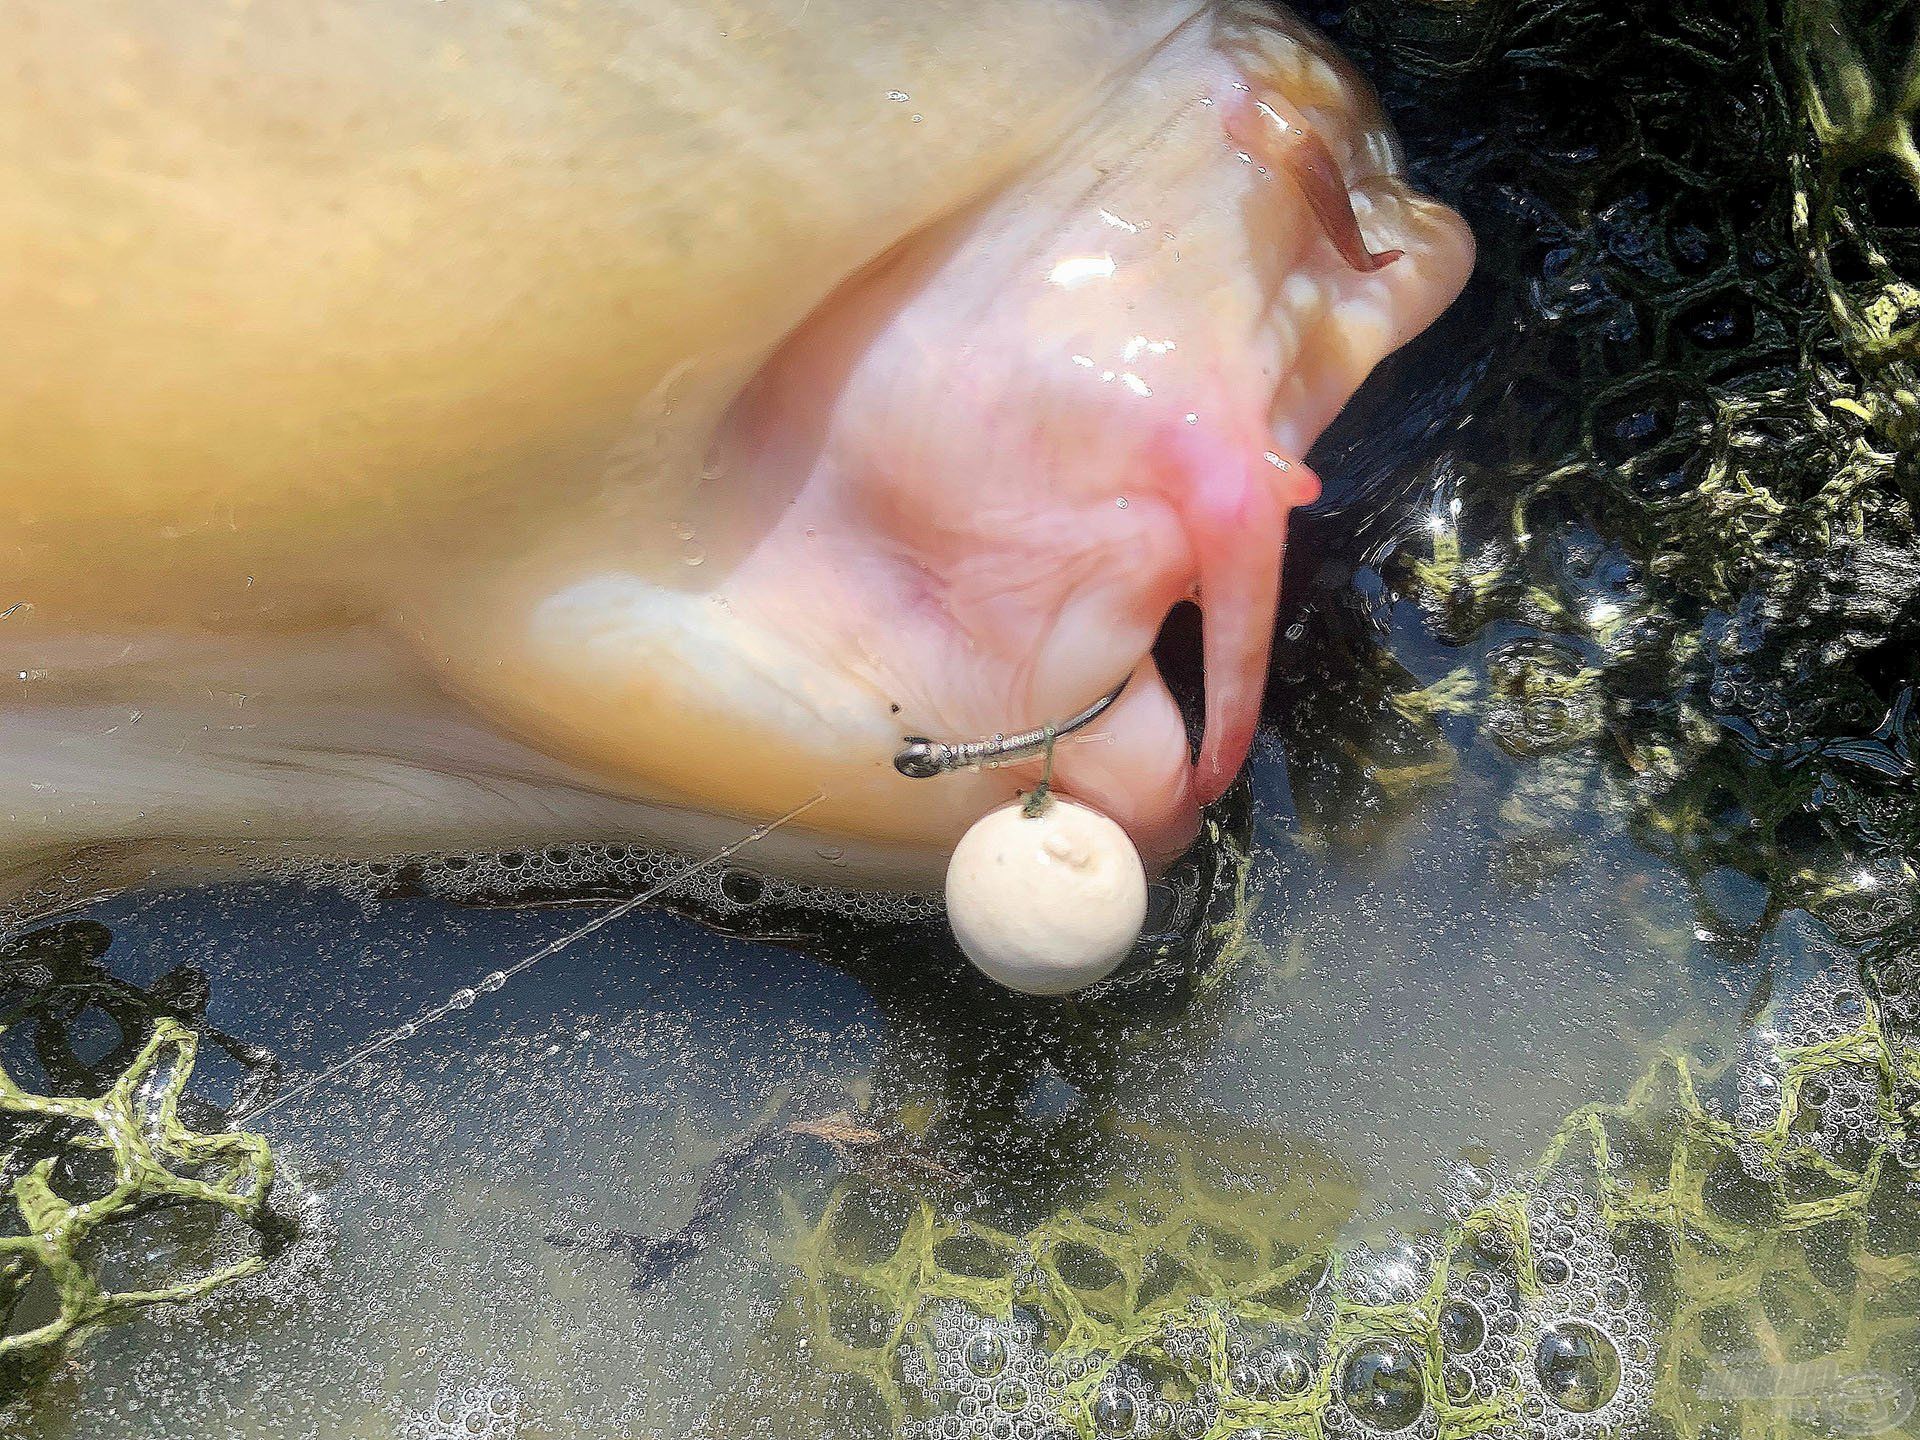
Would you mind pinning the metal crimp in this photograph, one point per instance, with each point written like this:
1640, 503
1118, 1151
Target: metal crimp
922, 758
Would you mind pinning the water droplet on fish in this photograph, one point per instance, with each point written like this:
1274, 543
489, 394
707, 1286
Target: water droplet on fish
1121, 503
694, 556
898, 96
460, 1000
406, 1031
493, 981
682, 530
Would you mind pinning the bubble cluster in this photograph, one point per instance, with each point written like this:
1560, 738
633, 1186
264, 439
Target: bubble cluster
469, 1411
731, 893
987, 1376
1583, 1346
1810, 1079
1523, 1307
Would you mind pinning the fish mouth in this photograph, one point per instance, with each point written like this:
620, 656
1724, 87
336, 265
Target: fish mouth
1025, 456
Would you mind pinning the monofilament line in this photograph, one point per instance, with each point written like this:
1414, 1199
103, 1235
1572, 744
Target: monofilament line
461, 999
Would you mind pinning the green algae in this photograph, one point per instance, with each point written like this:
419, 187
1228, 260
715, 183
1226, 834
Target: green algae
1154, 1287
82, 1171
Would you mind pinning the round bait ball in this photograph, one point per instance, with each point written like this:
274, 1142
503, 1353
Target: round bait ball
1047, 903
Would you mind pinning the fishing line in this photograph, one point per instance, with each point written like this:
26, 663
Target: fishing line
462, 999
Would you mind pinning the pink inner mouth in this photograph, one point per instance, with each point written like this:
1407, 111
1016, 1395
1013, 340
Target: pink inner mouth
964, 495
1017, 443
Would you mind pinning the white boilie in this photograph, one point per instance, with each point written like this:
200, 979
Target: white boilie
1046, 903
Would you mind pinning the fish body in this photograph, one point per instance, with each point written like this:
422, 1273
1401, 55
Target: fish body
446, 426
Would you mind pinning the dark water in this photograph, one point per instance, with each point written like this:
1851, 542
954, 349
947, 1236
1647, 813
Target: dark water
1404, 1004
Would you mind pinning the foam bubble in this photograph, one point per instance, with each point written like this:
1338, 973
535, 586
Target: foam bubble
488, 1410
727, 894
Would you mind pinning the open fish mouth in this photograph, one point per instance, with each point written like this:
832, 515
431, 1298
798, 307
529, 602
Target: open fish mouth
1000, 455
